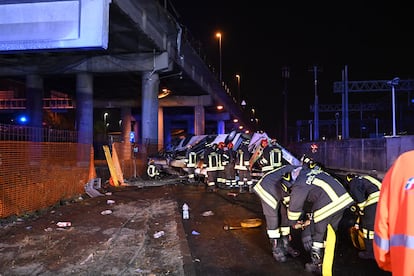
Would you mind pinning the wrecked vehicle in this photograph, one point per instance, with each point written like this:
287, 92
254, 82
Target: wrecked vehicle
172, 161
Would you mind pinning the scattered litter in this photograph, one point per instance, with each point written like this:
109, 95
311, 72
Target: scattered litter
159, 234
195, 233
49, 229
207, 213
232, 194
92, 186
64, 224
186, 212
110, 201
106, 212
139, 270
29, 227
90, 257
197, 260
108, 193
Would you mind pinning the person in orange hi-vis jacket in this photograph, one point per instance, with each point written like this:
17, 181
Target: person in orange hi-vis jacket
394, 221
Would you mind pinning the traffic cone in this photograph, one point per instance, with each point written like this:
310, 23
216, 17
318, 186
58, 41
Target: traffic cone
92, 170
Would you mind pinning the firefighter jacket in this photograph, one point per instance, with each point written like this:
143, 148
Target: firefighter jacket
365, 190
242, 158
394, 221
324, 193
228, 156
265, 188
191, 159
213, 157
271, 158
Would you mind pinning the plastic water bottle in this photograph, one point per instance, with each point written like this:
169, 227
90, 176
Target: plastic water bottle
64, 224
186, 212
159, 234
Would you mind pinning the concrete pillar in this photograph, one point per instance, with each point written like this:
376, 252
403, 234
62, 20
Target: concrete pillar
160, 128
34, 105
221, 127
199, 120
84, 114
150, 87
167, 131
126, 131
84, 107
190, 125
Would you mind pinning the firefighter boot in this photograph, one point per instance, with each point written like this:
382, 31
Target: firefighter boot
289, 249
250, 189
368, 253
315, 266
241, 188
278, 250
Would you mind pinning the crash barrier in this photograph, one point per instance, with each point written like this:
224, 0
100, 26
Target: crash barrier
372, 155
37, 175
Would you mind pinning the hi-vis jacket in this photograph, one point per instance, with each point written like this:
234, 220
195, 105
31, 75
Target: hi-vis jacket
266, 187
365, 190
394, 220
242, 158
325, 194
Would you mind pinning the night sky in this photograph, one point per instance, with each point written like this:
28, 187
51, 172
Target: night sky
374, 39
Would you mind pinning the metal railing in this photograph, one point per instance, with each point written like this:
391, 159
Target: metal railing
27, 133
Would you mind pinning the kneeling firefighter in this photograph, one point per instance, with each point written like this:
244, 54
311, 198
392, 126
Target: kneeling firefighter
274, 201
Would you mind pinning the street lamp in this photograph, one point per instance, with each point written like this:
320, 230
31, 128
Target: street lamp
393, 83
238, 87
218, 35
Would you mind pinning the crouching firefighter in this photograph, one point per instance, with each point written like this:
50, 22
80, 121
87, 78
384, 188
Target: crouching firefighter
274, 201
319, 194
365, 190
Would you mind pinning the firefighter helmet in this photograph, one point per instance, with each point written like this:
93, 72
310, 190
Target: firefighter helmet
349, 177
230, 145
221, 145
264, 143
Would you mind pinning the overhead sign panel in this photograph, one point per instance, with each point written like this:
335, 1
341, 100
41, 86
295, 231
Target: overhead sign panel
46, 25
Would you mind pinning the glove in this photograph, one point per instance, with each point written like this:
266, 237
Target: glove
307, 241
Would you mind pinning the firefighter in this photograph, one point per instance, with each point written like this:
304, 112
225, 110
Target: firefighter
211, 164
324, 198
393, 226
365, 190
221, 176
229, 157
243, 167
274, 197
191, 163
271, 157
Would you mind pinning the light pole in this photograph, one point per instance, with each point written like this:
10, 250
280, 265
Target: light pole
393, 83
218, 35
336, 124
238, 87
285, 76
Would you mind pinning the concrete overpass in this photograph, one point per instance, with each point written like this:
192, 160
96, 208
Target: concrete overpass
108, 51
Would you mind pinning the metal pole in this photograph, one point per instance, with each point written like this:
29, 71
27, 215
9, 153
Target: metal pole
394, 132
285, 76
316, 105
218, 35
393, 83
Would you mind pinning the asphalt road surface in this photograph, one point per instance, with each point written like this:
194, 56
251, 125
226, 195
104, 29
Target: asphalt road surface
247, 251
123, 242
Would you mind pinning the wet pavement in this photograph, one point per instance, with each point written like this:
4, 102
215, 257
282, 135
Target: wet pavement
247, 251
205, 246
